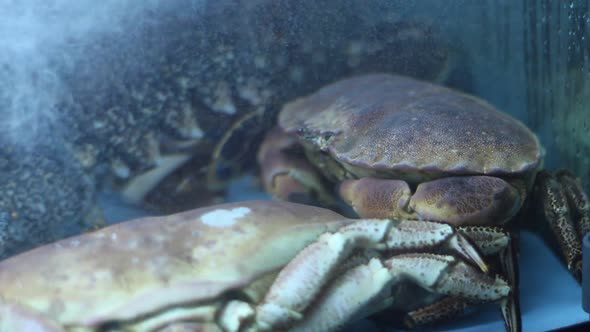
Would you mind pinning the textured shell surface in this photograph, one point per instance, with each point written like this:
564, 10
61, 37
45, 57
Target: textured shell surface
142, 105
126, 265
395, 125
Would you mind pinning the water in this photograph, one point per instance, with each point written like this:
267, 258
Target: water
112, 111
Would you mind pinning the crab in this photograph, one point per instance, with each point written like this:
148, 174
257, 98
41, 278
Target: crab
398, 147
247, 266
152, 109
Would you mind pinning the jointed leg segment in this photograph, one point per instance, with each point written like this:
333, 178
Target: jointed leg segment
308, 286
566, 209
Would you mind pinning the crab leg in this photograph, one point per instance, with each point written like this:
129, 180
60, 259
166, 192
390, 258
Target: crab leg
578, 201
490, 241
467, 200
494, 241
287, 176
558, 216
443, 274
300, 282
510, 305
447, 307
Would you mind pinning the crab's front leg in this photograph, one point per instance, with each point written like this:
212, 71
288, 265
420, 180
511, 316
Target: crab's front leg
466, 200
475, 202
311, 293
365, 289
287, 174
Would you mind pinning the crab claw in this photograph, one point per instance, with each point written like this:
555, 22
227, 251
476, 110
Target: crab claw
410, 235
303, 279
461, 245
466, 200
341, 301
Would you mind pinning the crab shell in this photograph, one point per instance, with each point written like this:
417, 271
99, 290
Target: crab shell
390, 126
141, 271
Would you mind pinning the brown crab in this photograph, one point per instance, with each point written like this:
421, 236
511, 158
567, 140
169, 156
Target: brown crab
172, 132
248, 266
403, 148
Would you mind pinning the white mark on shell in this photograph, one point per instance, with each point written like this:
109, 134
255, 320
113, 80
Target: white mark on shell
223, 217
